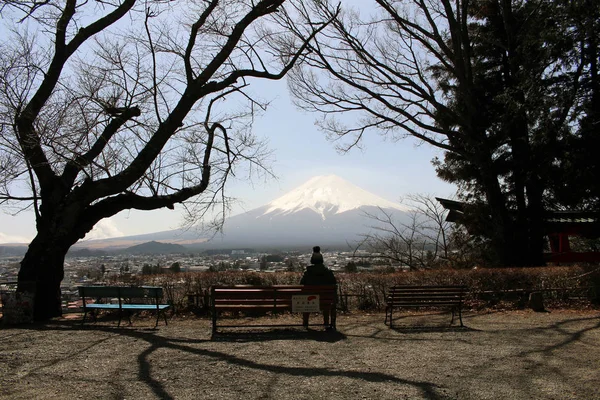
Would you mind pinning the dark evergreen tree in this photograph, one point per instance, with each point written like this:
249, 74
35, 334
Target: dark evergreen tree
575, 173
504, 87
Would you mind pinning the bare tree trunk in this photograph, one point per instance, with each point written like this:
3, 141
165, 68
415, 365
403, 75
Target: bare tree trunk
42, 270
536, 231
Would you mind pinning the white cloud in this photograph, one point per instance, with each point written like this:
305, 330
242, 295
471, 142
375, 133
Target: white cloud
6, 238
104, 229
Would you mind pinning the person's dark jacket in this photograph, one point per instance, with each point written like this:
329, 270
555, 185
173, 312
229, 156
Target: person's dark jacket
318, 274
317, 258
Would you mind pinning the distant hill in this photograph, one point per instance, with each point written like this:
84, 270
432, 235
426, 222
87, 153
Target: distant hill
85, 252
326, 211
182, 237
13, 250
155, 248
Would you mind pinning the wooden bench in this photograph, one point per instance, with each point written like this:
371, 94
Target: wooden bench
265, 299
130, 299
425, 296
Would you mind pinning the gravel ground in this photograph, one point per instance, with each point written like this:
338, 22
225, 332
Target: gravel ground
503, 355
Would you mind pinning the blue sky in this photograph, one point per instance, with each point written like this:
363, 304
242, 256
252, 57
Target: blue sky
384, 167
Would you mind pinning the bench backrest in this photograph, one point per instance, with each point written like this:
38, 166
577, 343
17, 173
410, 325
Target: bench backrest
121, 292
279, 295
426, 294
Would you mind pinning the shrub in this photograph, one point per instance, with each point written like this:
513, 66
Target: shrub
498, 287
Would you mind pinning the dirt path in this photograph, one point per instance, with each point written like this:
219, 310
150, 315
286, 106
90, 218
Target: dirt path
514, 355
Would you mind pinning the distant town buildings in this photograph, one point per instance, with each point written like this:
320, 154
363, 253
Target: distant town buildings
91, 269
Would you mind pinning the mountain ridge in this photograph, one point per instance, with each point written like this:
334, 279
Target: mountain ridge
326, 195
325, 210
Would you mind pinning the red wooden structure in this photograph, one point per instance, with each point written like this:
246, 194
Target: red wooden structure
558, 227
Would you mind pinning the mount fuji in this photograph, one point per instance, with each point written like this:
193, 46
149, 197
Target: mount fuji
327, 196
326, 211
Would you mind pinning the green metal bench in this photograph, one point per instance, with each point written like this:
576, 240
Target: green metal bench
127, 298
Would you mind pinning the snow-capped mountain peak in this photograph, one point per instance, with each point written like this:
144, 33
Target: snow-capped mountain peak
327, 195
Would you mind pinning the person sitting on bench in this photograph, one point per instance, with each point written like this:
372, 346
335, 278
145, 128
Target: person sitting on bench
318, 274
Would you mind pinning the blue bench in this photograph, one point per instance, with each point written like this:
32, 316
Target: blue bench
127, 298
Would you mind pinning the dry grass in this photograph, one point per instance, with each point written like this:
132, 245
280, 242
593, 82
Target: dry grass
500, 355
366, 291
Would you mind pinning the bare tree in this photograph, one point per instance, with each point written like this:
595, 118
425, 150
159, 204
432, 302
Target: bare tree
420, 242
121, 104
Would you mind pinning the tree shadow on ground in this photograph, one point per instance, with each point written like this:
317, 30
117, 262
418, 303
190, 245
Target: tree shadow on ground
545, 348
378, 329
105, 322
431, 328
569, 337
156, 342
279, 334
159, 341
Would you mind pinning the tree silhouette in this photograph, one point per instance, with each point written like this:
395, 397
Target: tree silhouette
116, 105
503, 87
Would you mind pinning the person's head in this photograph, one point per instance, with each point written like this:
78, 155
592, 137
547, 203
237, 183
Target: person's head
316, 249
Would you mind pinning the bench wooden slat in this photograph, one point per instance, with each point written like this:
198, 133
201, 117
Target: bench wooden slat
426, 304
265, 308
266, 292
264, 301
426, 287
423, 303
270, 287
429, 294
279, 295
248, 301
425, 296
262, 295
445, 291
264, 305
417, 299
274, 298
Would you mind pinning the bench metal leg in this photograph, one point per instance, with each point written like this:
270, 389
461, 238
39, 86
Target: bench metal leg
92, 314
213, 310
334, 318
457, 310
214, 321
388, 315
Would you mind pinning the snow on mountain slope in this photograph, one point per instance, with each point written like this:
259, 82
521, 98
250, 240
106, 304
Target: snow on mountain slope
328, 195
326, 210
